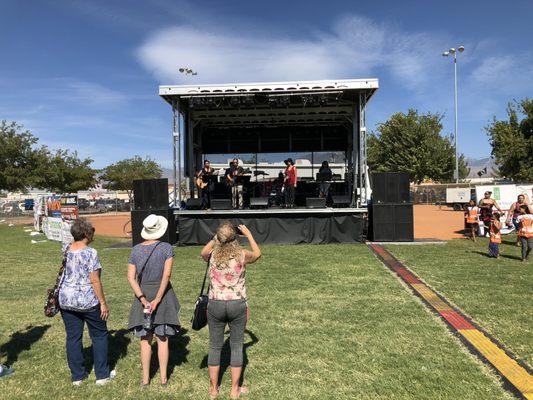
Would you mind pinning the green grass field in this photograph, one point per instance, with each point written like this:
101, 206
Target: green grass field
328, 322
498, 294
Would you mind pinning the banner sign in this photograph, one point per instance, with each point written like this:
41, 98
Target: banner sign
53, 206
57, 229
69, 207
53, 228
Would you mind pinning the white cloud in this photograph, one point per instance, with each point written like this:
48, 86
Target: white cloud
355, 47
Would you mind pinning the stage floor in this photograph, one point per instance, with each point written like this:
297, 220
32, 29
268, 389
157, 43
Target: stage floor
272, 211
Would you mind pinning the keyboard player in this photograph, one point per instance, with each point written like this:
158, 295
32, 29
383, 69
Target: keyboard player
324, 176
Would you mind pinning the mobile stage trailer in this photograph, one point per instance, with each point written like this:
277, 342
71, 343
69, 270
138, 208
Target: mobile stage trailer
274, 117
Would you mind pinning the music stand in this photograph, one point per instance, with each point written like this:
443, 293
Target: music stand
323, 176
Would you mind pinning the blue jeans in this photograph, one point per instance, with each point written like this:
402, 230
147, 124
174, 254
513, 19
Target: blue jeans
74, 322
494, 249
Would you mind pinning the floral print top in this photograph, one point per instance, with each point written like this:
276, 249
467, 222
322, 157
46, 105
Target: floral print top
227, 280
76, 292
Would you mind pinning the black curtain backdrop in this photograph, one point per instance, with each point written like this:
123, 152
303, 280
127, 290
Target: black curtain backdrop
278, 229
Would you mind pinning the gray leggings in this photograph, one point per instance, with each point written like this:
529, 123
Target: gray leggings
527, 245
220, 313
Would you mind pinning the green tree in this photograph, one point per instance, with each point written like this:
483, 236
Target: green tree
512, 141
19, 157
65, 172
413, 143
120, 175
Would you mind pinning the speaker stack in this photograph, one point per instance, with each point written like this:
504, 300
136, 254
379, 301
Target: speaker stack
391, 213
151, 197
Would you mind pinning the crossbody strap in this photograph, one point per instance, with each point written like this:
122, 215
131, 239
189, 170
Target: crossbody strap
61, 275
205, 277
140, 274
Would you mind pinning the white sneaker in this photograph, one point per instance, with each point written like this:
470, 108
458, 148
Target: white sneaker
77, 383
102, 382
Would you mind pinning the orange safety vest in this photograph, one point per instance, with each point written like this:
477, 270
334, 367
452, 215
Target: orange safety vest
472, 216
525, 228
495, 237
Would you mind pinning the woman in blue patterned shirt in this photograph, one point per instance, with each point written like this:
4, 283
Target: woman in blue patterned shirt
82, 301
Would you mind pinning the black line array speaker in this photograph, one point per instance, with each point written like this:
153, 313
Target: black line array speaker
138, 216
315, 202
390, 187
150, 194
259, 202
194, 204
221, 204
392, 223
341, 201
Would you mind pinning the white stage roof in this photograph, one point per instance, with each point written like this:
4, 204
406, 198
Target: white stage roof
343, 85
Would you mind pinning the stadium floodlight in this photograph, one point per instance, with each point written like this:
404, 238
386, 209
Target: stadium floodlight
187, 71
446, 53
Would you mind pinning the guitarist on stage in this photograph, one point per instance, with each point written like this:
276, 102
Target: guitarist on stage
205, 187
233, 171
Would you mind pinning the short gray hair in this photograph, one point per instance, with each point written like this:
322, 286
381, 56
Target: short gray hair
82, 229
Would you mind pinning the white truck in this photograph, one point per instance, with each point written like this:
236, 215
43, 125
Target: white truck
458, 198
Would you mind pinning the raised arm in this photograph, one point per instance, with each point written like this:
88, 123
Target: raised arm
255, 254
207, 250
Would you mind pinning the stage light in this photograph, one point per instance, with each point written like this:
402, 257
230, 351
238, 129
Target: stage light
446, 54
182, 70
452, 50
461, 49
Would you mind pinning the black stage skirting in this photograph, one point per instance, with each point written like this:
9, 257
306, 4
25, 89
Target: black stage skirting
280, 228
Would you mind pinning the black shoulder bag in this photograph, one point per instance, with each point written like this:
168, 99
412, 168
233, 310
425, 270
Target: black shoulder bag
199, 317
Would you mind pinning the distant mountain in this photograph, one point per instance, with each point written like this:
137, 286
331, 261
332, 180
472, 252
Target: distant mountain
479, 164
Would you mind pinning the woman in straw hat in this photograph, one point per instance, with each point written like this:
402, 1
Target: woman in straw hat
227, 300
155, 308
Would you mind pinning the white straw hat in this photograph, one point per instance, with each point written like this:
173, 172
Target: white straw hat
154, 226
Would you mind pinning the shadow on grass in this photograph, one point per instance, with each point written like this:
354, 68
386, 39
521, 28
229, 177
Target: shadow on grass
225, 357
117, 349
178, 351
510, 257
483, 253
21, 341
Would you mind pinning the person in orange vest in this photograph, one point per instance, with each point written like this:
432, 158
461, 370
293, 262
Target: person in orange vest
513, 214
495, 236
525, 231
472, 219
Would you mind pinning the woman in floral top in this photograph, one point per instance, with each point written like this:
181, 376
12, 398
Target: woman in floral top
227, 300
82, 301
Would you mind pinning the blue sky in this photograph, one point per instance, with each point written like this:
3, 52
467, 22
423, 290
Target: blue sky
84, 75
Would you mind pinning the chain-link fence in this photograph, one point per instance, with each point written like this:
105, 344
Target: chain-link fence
433, 194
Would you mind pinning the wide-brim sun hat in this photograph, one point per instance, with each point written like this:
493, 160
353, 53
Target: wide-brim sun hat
154, 227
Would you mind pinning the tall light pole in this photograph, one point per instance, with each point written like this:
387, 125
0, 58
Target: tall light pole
453, 52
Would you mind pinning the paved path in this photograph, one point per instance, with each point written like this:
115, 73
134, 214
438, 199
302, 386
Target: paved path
515, 373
